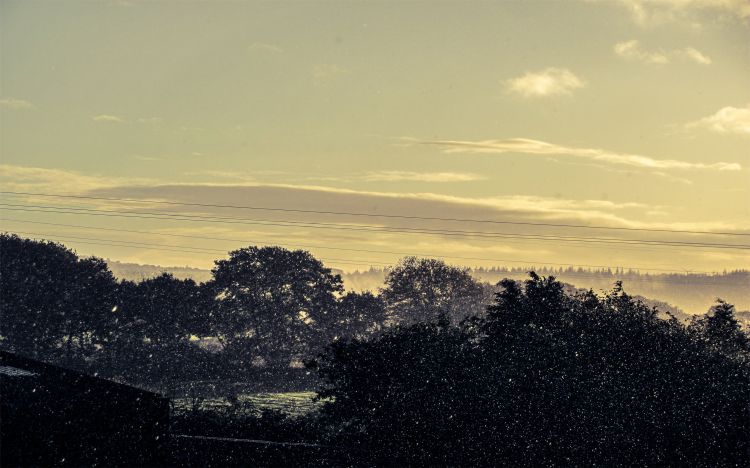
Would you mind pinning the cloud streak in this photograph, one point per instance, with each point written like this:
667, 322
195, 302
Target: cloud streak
315, 197
107, 118
398, 176
265, 47
733, 120
15, 104
695, 55
326, 72
648, 13
545, 83
541, 148
632, 50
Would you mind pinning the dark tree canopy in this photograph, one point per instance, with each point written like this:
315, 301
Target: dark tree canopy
53, 303
166, 310
720, 328
546, 378
359, 315
273, 304
421, 290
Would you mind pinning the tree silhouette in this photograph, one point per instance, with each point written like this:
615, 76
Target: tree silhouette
273, 304
720, 328
546, 378
359, 315
54, 304
426, 290
156, 319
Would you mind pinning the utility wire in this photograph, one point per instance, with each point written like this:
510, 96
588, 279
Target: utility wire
311, 246
163, 247
351, 227
372, 215
171, 248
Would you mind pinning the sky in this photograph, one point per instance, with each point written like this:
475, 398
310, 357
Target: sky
584, 133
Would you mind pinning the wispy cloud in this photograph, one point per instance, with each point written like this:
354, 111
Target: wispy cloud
397, 176
727, 120
39, 179
313, 197
648, 13
325, 72
141, 157
632, 50
695, 55
150, 120
548, 82
264, 47
16, 104
107, 118
541, 148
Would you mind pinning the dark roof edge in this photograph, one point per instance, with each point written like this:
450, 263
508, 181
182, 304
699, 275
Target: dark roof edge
42, 368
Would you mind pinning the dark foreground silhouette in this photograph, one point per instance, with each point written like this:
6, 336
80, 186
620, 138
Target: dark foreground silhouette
547, 379
542, 377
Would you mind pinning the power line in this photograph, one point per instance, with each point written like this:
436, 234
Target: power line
372, 215
163, 247
390, 252
170, 248
351, 227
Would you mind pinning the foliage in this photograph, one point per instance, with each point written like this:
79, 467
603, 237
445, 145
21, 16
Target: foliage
273, 304
420, 290
53, 303
720, 328
545, 378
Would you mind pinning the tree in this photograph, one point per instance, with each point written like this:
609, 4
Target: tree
427, 290
720, 328
54, 304
169, 310
359, 315
155, 320
546, 378
273, 304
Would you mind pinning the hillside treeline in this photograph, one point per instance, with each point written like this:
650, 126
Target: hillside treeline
689, 292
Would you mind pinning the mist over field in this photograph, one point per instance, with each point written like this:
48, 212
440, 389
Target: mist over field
690, 294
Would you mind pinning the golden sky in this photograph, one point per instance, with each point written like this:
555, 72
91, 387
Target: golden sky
540, 116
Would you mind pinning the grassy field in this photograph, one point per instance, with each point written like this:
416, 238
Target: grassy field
289, 403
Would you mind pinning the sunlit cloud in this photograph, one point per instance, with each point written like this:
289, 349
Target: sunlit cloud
265, 47
150, 120
632, 50
107, 118
728, 119
548, 82
141, 157
38, 179
397, 176
541, 148
323, 73
695, 55
648, 13
16, 104
213, 200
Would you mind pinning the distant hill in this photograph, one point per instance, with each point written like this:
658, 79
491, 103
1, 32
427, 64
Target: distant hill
678, 293
137, 272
